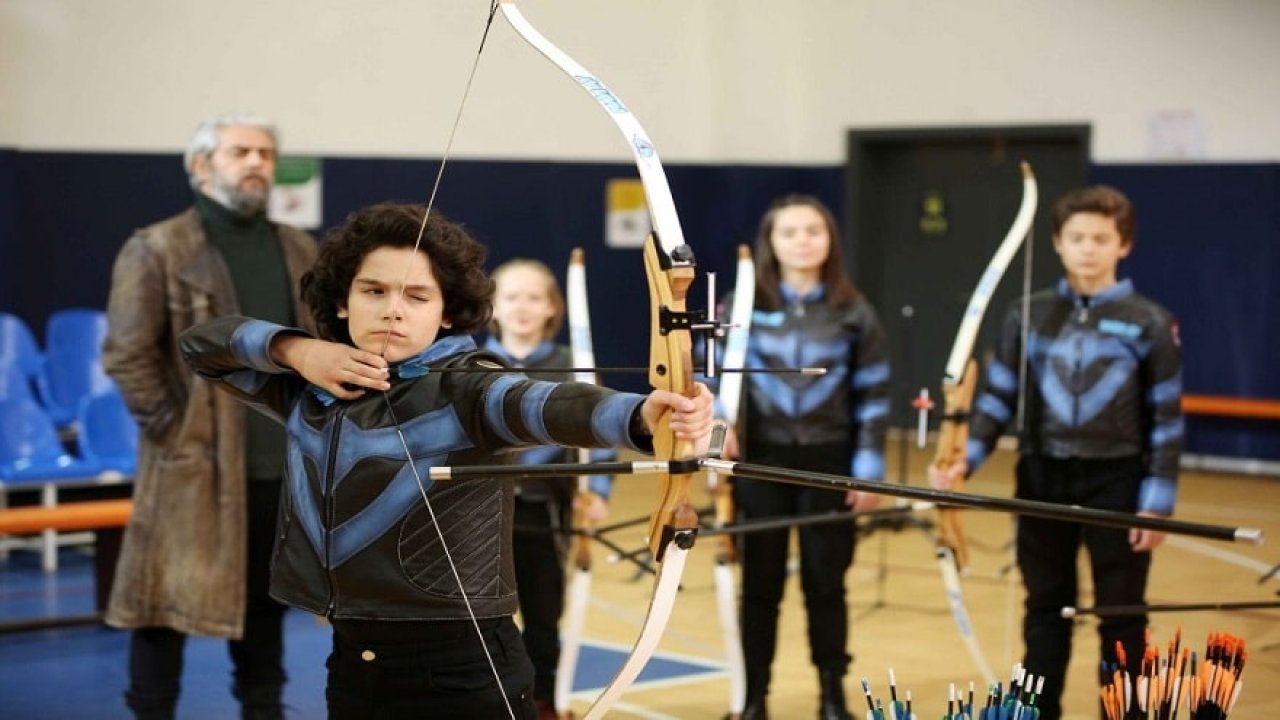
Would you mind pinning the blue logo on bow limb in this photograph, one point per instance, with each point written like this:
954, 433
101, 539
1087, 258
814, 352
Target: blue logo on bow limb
602, 94
643, 147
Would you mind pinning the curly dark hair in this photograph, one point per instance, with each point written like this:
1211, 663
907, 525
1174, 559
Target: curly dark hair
457, 261
1102, 200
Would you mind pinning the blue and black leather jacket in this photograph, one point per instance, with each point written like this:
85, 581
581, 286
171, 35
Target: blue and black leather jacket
356, 540
849, 404
1104, 380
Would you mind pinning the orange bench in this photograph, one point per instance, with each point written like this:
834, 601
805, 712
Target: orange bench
108, 517
1231, 407
89, 515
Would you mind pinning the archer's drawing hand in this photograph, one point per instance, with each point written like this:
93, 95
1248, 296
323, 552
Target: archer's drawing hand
341, 370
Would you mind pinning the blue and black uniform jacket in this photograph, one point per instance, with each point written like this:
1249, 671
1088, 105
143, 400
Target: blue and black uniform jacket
849, 404
1104, 380
356, 540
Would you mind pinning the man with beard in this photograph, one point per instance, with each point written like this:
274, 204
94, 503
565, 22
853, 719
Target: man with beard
198, 547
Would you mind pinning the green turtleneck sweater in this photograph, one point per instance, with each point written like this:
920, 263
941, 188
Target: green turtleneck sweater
253, 255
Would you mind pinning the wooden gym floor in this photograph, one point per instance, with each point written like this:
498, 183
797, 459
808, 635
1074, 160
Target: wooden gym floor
900, 617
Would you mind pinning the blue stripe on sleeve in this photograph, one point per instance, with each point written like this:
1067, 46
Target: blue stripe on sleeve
251, 342
976, 453
601, 485
995, 407
1000, 377
1167, 432
532, 407
495, 402
611, 421
1157, 495
871, 376
1166, 392
868, 465
873, 410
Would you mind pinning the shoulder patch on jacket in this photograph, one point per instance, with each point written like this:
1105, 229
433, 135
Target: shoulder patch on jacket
1116, 327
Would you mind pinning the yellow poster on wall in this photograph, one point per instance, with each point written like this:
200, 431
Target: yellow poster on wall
627, 221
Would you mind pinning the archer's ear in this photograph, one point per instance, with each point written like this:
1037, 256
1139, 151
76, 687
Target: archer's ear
342, 312
446, 323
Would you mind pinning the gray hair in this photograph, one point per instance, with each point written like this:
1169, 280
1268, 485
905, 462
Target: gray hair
205, 140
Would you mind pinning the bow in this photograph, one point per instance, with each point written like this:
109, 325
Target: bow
958, 383
669, 268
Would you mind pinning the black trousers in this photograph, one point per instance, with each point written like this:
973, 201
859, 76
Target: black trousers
1047, 553
155, 653
826, 554
539, 561
414, 670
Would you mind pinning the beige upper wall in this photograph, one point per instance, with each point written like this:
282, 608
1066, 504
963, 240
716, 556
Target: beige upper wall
712, 80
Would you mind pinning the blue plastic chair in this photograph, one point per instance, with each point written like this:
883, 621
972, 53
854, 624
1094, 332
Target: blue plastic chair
18, 346
30, 451
32, 458
75, 330
14, 384
108, 438
67, 377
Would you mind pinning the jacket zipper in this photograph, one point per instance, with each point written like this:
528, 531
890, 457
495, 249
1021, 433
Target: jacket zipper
1082, 318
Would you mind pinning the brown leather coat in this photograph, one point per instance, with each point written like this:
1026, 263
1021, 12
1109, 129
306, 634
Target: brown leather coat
183, 561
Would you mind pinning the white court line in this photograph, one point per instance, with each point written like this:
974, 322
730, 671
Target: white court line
624, 648
589, 694
1228, 556
1228, 511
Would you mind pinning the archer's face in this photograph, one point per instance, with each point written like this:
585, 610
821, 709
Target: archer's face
522, 304
395, 307
1091, 247
800, 239
239, 172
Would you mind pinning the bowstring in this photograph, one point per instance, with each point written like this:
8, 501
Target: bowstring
399, 298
